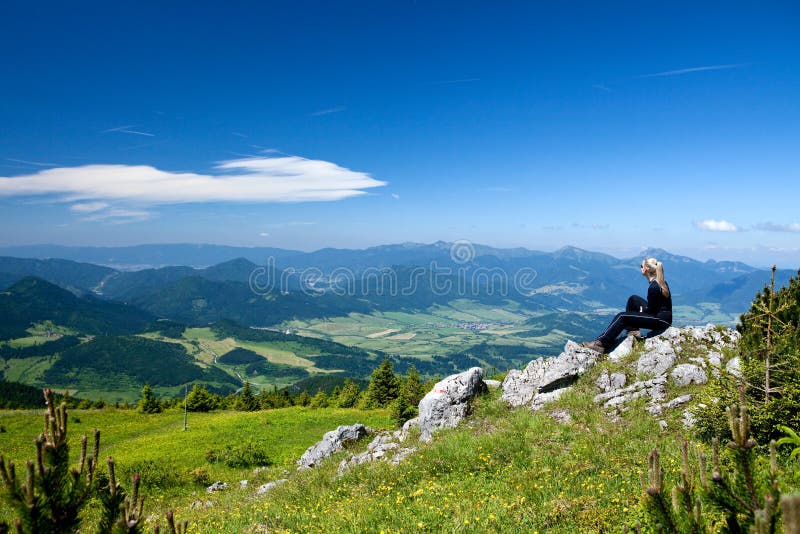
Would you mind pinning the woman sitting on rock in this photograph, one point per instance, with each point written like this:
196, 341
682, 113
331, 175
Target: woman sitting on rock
654, 314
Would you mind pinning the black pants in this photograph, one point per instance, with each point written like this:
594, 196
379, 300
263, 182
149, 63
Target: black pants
631, 319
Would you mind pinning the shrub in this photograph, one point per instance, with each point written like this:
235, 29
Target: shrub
199, 476
247, 454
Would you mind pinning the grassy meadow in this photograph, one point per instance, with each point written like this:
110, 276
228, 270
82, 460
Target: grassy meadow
174, 463
501, 470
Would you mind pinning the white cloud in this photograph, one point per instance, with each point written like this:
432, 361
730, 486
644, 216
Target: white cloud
328, 111
395, 196
772, 227
711, 225
118, 216
268, 179
263, 234
88, 207
679, 72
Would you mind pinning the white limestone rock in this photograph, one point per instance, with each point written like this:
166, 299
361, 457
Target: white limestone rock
657, 360
622, 350
687, 373
331, 442
448, 402
264, 488
545, 375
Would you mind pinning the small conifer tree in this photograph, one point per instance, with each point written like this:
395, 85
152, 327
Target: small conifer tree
148, 403
303, 399
384, 386
200, 400
747, 495
246, 400
52, 495
320, 400
406, 405
348, 396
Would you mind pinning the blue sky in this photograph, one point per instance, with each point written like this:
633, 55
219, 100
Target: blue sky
610, 127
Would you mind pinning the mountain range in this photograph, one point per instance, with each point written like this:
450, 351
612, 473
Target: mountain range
407, 275
106, 329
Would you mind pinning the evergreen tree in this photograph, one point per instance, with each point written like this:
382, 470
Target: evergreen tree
149, 403
406, 405
320, 400
303, 399
384, 386
199, 400
246, 401
770, 353
348, 396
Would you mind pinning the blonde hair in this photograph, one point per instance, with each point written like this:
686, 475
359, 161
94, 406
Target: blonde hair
656, 268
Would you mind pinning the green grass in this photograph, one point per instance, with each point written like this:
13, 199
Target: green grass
157, 445
502, 470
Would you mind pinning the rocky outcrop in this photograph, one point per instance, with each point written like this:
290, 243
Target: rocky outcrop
680, 356
448, 402
331, 442
385, 446
688, 373
544, 376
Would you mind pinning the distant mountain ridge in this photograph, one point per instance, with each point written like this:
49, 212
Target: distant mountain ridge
569, 279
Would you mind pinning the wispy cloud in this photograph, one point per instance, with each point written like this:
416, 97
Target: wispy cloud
772, 227
127, 130
711, 225
328, 111
33, 163
395, 196
247, 180
88, 207
679, 72
602, 87
118, 216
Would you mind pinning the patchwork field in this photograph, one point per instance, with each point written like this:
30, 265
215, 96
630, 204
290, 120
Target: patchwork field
438, 330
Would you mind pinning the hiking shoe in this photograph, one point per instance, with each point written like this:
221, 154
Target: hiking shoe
595, 346
636, 334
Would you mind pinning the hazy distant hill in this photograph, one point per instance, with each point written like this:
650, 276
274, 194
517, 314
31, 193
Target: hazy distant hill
65, 273
148, 256
406, 277
32, 300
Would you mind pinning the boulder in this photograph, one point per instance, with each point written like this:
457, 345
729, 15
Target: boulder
264, 488
657, 360
546, 375
332, 442
653, 388
677, 401
216, 486
610, 381
448, 402
383, 446
687, 373
622, 350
